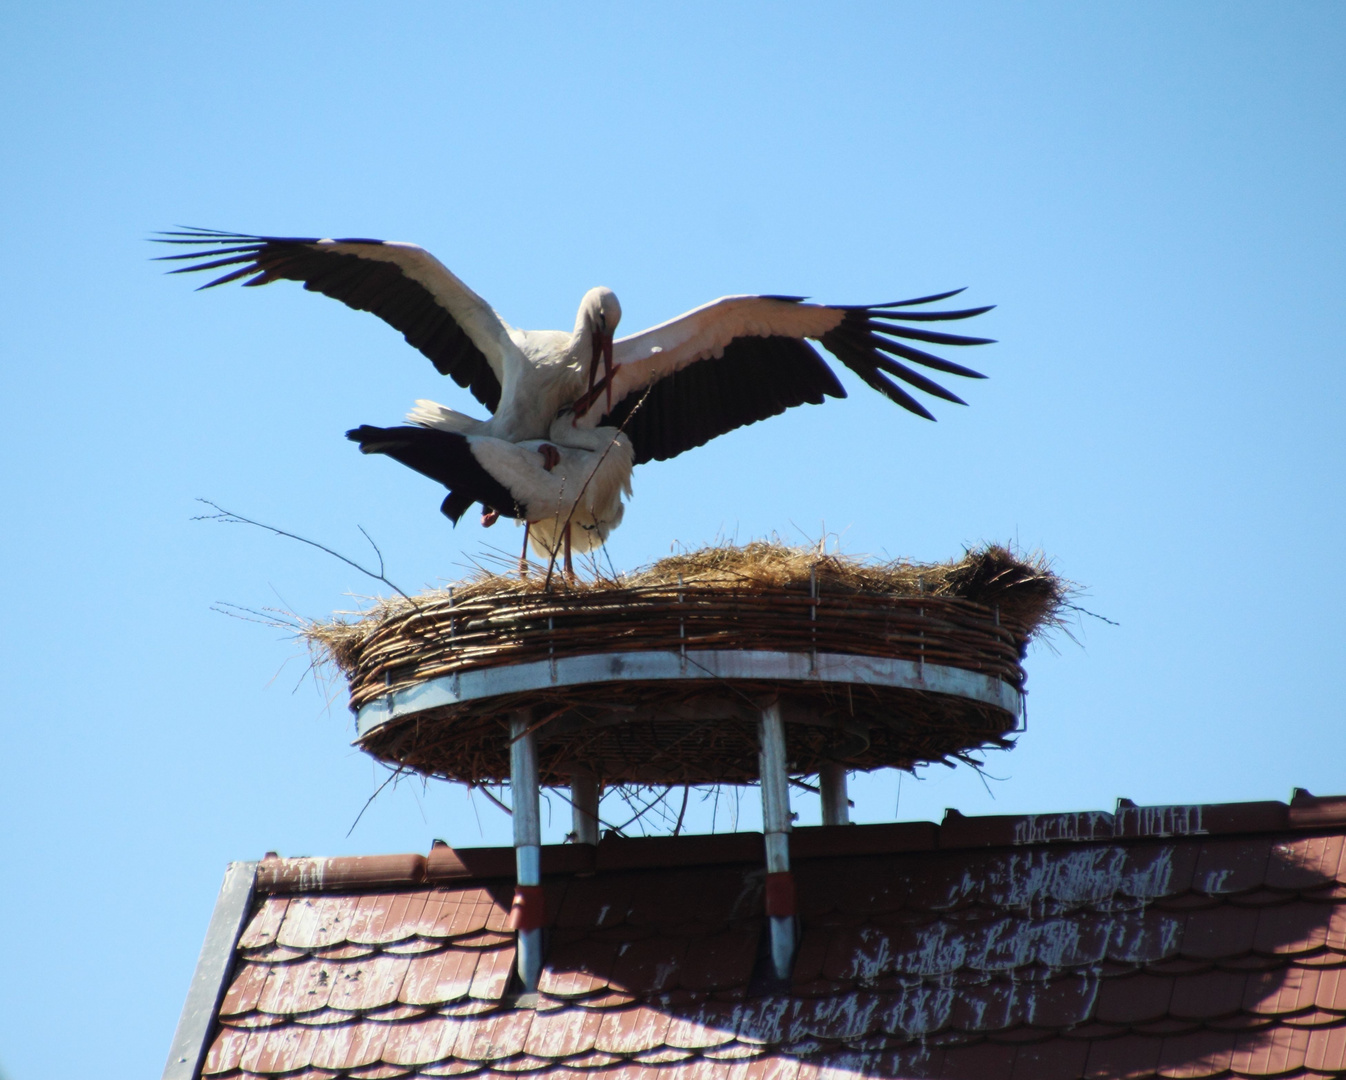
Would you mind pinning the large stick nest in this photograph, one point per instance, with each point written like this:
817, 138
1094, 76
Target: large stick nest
977, 613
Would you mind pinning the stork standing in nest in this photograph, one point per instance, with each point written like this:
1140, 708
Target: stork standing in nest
567, 491
670, 388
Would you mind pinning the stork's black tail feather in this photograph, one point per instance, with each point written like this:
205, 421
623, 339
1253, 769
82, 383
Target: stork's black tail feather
445, 456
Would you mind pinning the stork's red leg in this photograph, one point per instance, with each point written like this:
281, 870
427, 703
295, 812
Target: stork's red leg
570, 566
523, 557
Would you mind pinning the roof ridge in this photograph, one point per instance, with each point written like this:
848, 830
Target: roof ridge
1129, 821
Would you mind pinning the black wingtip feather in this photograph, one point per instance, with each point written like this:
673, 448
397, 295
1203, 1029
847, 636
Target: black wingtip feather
931, 336
931, 299
929, 316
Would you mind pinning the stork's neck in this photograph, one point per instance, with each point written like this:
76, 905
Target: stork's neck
586, 326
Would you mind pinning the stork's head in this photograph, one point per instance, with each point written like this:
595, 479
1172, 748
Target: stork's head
598, 317
599, 313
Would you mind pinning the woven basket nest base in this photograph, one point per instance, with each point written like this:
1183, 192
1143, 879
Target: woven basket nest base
977, 613
697, 733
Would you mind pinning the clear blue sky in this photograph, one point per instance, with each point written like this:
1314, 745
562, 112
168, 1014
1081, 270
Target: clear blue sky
1152, 193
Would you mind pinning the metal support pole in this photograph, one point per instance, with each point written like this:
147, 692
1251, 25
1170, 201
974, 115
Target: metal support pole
780, 892
584, 807
527, 914
832, 788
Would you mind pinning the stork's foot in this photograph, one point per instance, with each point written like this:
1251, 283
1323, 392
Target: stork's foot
489, 518
551, 457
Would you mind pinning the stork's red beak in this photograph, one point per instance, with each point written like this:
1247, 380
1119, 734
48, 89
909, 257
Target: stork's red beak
582, 404
593, 360
607, 366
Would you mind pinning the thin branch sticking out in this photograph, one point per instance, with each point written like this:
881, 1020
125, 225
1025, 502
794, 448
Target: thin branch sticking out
228, 517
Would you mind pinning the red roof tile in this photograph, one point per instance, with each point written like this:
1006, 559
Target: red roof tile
1272, 1052
1231, 866
1275, 993
491, 978
349, 1046
1124, 1057
297, 988
440, 977
578, 967
1326, 1050
225, 1051
721, 960
425, 1040
1332, 990
632, 1031
279, 1050
1199, 1054
1306, 863
246, 988
1208, 994
650, 964
368, 984
1181, 942
1058, 1059
989, 1061
703, 1028
266, 920
1134, 998
1218, 932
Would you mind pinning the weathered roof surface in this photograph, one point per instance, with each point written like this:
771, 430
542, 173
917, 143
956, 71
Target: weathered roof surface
1159, 941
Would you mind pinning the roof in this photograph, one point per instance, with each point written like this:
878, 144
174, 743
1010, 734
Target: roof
1181, 941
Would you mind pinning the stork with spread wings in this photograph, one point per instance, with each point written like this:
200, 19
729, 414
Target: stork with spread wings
670, 388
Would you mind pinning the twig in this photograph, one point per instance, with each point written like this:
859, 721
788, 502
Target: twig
273, 617
228, 517
1094, 614
640, 814
395, 775
485, 791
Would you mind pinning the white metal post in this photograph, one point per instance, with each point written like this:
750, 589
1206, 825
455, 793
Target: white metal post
584, 807
780, 907
832, 789
526, 918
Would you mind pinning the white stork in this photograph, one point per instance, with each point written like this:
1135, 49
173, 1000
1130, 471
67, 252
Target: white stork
670, 388
568, 493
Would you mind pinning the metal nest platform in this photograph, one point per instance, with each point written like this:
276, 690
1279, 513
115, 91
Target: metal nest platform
726, 665
660, 678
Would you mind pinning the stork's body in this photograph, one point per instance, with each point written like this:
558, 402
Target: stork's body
731, 362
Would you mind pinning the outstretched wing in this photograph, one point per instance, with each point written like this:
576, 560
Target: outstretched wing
402, 284
743, 358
